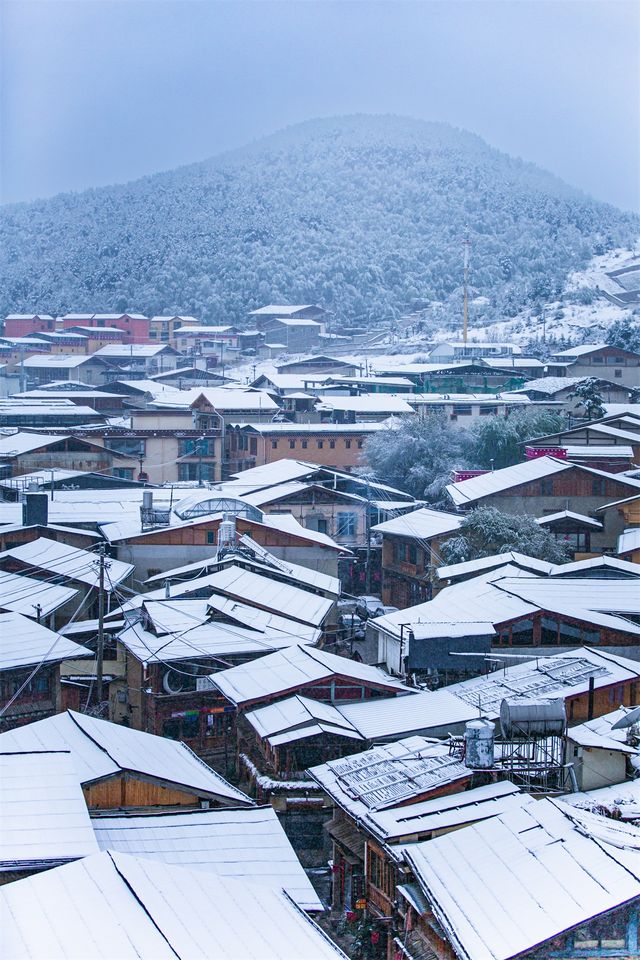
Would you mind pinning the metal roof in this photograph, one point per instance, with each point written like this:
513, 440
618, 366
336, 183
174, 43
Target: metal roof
100, 749
72, 563
629, 540
495, 481
455, 570
509, 884
388, 775
259, 591
13, 444
622, 798
446, 812
599, 733
24, 643
433, 713
31, 597
569, 515
248, 845
114, 905
420, 524
555, 677
296, 666
43, 813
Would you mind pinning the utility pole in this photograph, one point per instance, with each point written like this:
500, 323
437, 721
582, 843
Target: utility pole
367, 568
100, 646
466, 246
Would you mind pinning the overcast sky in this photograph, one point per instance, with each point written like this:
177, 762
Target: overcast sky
103, 91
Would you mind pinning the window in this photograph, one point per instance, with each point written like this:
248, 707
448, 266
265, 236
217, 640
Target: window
332, 444
597, 360
320, 444
197, 471
274, 444
603, 933
211, 536
463, 410
488, 411
253, 445
412, 554
617, 373
347, 444
347, 524
197, 447
598, 486
129, 446
360, 444
522, 633
292, 444
305, 444
125, 473
546, 487
548, 632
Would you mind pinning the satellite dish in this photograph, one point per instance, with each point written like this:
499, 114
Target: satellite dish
628, 720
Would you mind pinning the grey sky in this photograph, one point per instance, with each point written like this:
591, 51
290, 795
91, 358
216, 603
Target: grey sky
103, 92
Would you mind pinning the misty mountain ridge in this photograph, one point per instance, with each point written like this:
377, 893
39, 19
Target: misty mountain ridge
364, 215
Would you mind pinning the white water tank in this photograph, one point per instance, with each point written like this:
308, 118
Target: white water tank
478, 738
227, 531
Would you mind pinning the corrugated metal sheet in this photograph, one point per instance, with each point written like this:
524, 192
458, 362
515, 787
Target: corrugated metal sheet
25, 643
511, 883
100, 749
113, 905
242, 844
43, 815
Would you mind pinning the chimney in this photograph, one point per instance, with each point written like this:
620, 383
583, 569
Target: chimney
35, 510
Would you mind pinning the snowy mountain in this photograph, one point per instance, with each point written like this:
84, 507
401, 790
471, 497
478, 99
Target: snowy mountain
363, 214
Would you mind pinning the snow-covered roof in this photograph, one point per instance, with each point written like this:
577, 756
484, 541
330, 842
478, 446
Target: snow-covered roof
389, 775
453, 571
43, 813
552, 678
621, 798
432, 713
70, 562
14, 444
629, 540
422, 524
247, 844
24, 643
135, 351
101, 749
494, 482
62, 360
569, 515
281, 672
298, 718
276, 308
402, 824
294, 571
267, 594
115, 905
582, 350
382, 403
580, 567
504, 363
582, 597
550, 385
208, 640
25, 594
504, 886
599, 733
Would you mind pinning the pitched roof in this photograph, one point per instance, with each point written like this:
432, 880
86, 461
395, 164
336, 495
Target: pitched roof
115, 905
284, 671
43, 813
101, 749
256, 590
248, 845
31, 597
72, 563
389, 775
25, 643
494, 482
504, 886
422, 524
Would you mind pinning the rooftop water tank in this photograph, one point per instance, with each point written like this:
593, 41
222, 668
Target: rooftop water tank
227, 531
478, 738
529, 718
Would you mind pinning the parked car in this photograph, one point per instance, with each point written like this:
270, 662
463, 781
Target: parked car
369, 606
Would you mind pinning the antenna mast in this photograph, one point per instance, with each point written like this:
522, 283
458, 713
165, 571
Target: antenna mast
466, 246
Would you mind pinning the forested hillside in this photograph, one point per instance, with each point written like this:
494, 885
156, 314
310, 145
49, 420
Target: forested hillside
362, 214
